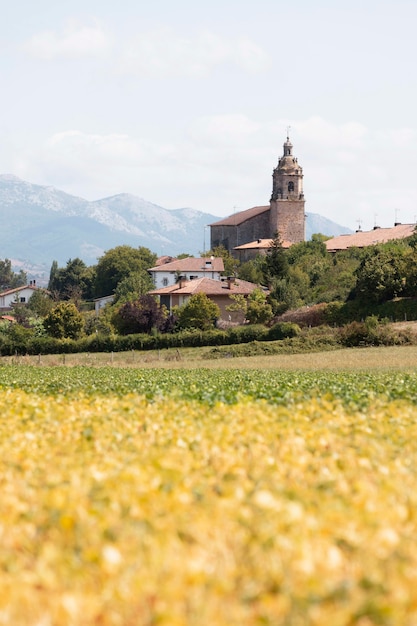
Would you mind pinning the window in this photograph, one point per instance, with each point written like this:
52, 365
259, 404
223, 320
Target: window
22, 300
290, 187
165, 282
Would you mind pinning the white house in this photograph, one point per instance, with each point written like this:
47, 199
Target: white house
166, 274
99, 303
18, 295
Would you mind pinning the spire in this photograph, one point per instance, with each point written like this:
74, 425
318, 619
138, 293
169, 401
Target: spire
288, 145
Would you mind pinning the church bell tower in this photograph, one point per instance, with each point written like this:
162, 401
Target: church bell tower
287, 204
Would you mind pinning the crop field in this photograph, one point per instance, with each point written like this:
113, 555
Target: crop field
207, 497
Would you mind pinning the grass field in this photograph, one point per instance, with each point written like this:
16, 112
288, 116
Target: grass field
392, 357
275, 491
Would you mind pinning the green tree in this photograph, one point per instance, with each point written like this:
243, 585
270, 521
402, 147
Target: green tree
10, 279
73, 282
381, 274
64, 321
275, 263
199, 312
134, 285
117, 264
230, 263
40, 303
258, 309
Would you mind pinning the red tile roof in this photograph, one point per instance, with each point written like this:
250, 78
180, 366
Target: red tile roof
191, 264
371, 237
241, 216
209, 286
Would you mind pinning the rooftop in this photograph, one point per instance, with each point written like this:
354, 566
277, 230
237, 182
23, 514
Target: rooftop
361, 239
191, 264
241, 216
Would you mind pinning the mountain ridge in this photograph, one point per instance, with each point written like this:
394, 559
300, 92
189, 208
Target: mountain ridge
40, 224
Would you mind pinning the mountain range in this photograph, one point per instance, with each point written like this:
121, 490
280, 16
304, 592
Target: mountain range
40, 224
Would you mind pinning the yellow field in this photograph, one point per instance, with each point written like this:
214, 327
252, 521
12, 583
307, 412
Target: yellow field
121, 511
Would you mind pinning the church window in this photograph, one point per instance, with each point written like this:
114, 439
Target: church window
290, 187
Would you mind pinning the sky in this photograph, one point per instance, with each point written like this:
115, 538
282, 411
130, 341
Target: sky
187, 103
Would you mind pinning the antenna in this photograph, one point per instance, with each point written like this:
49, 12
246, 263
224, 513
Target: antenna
375, 216
359, 223
288, 132
396, 217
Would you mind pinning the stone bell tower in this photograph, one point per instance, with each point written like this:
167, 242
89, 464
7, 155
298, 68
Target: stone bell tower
287, 204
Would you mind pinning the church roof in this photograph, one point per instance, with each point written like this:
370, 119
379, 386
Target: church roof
371, 237
241, 216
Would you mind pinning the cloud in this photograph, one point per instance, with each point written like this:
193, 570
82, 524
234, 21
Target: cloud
164, 53
351, 172
77, 41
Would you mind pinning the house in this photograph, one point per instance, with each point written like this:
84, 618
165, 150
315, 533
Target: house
166, 274
361, 239
285, 213
17, 295
219, 291
99, 303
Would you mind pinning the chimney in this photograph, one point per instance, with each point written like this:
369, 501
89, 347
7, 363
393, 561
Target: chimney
181, 281
230, 282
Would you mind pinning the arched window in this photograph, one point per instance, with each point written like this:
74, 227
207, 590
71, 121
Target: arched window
290, 187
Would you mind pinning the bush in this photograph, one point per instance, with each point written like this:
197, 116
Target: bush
283, 330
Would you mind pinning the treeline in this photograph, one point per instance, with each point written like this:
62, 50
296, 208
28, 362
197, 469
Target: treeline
351, 285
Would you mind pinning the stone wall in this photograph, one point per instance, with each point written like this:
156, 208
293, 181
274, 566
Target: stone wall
288, 218
230, 236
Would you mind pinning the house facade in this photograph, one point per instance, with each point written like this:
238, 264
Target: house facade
18, 295
219, 291
191, 268
285, 213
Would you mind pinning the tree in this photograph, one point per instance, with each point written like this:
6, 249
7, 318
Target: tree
140, 316
117, 264
381, 274
10, 279
230, 263
134, 285
40, 303
275, 263
258, 309
199, 312
64, 321
73, 282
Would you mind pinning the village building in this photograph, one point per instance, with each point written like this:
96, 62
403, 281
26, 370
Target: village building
219, 291
285, 213
18, 295
377, 235
167, 274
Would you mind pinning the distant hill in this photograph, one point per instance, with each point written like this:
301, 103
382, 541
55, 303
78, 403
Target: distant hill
40, 224
318, 224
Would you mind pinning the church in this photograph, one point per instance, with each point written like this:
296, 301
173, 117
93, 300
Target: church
285, 213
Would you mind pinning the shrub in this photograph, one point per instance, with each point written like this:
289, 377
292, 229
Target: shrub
283, 330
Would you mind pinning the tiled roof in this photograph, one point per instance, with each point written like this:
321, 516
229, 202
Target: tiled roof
162, 260
241, 216
21, 288
209, 286
261, 244
191, 264
371, 237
